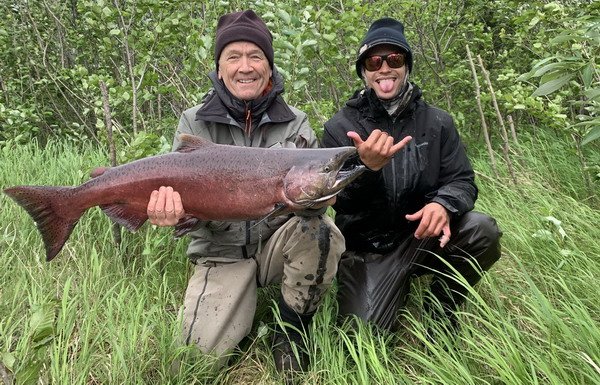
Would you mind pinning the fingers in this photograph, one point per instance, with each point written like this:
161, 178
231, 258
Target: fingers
383, 143
165, 207
400, 145
445, 237
355, 138
378, 149
159, 208
434, 220
152, 204
414, 217
380, 142
423, 228
178, 205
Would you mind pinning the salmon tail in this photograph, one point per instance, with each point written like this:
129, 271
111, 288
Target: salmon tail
39, 202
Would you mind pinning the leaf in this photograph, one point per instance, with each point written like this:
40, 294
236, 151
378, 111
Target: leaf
553, 220
206, 41
547, 68
588, 74
558, 225
42, 325
284, 15
329, 36
562, 232
29, 374
8, 360
592, 94
543, 234
534, 21
553, 85
288, 45
566, 253
540, 63
561, 39
262, 331
203, 53
299, 84
594, 134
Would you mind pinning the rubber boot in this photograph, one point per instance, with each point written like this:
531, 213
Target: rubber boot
289, 349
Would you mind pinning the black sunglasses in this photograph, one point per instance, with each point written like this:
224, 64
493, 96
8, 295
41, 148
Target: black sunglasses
394, 60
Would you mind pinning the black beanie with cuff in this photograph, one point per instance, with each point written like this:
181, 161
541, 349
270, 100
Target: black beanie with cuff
384, 31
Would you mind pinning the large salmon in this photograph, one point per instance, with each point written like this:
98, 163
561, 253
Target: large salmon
216, 182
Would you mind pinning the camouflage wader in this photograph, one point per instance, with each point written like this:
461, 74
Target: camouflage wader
220, 300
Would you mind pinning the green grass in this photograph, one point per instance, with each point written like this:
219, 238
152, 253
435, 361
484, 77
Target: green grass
99, 314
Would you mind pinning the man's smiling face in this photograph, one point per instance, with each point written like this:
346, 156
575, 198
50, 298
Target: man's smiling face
386, 81
244, 69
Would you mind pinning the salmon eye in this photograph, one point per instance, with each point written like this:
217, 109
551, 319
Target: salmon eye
327, 169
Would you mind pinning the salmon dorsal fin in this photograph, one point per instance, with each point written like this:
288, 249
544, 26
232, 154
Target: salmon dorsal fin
191, 143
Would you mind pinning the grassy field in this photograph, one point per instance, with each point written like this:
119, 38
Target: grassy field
99, 314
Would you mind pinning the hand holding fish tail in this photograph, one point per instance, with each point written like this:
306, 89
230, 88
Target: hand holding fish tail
378, 149
165, 207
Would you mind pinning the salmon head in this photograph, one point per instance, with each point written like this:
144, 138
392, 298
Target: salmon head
323, 174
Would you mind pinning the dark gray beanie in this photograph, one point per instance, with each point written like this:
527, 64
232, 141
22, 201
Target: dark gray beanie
384, 31
243, 26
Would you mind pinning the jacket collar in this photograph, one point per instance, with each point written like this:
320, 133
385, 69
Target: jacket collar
366, 101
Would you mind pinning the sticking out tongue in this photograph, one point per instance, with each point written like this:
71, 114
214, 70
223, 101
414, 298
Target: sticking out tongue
386, 85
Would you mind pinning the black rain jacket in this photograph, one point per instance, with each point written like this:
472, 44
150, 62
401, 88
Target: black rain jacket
433, 167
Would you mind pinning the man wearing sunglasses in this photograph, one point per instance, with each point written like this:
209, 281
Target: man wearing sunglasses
412, 213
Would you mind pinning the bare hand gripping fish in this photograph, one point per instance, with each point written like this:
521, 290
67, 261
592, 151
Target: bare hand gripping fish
216, 182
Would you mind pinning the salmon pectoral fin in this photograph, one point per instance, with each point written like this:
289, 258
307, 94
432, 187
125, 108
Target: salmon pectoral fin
126, 215
45, 206
185, 225
277, 209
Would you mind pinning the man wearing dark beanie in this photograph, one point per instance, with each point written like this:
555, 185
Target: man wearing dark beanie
412, 213
247, 24
245, 107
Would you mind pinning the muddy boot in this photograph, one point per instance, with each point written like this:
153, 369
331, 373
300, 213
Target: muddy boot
289, 348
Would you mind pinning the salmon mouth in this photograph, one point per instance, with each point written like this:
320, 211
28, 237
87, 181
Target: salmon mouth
349, 170
347, 175
344, 178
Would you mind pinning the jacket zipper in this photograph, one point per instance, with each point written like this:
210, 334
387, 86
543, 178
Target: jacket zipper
394, 186
248, 127
248, 141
